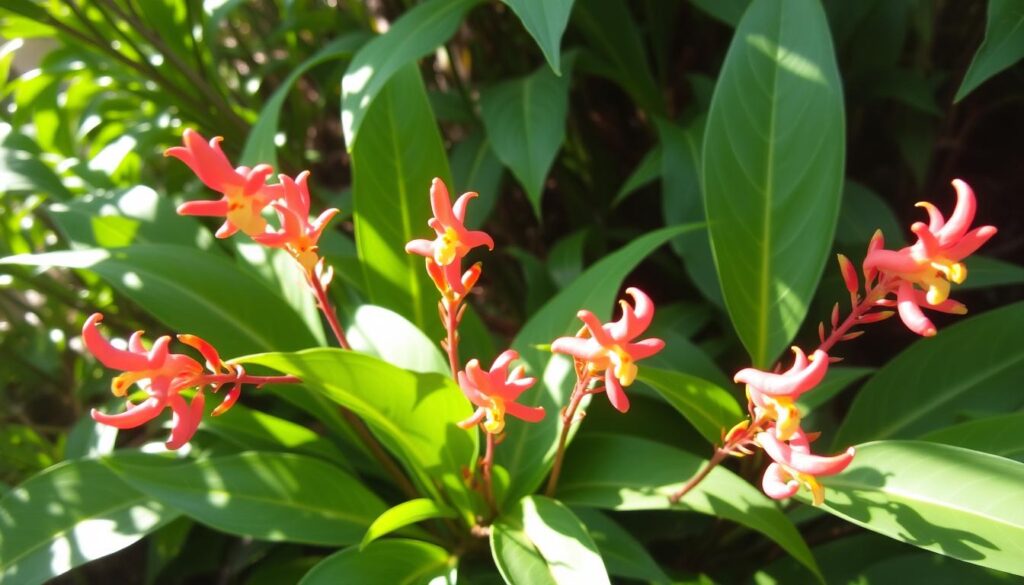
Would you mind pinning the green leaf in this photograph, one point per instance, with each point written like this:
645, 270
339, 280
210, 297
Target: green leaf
525, 123
619, 472
727, 12
616, 42
389, 336
836, 380
530, 448
842, 561
191, 291
863, 212
414, 35
1003, 45
260, 146
647, 171
89, 439
682, 355
403, 515
986, 272
773, 169
709, 408
385, 563
623, 555
541, 541
969, 364
948, 500
415, 418
393, 164
476, 168
70, 514
545, 21
998, 435
565, 258
269, 496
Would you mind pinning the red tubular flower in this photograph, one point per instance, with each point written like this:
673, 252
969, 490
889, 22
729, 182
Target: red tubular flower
161, 374
453, 239
495, 392
244, 189
774, 395
794, 465
933, 262
610, 348
298, 236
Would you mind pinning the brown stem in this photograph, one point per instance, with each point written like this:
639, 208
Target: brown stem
578, 392
214, 379
486, 466
877, 293
328, 310
720, 454
379, 453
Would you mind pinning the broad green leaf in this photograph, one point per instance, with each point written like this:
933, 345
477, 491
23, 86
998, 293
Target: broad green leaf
561, 549
530, 448
615, 40
132, 216
967, 365
191, 291
269, 496
863, 212
70, 514
389, 336
929, 568
727, 12
413, 415
623, 555
682, 355
403, 515
952, 501
773, 168
1003, 45
525, 123
836, 380
386, 562
414, 35
565, 258
998, 435
986, 272
476, 168
89, 439
393, 164
618, 472
260, 146
647, 171
708, 407
545, 21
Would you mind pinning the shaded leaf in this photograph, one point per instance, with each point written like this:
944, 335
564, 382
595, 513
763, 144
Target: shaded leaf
403, 515
709, 408
998, 435
623, 555
386, 562
1003, 45
545, 21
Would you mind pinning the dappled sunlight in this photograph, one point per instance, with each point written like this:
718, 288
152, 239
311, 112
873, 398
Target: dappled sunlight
788, 60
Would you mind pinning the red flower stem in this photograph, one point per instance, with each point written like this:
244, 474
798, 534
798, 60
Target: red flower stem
214, 379
877, 293
568, 415
451, 325
720, 454
328, 310
486, 467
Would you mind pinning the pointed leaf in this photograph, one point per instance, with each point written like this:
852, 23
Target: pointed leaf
403, 515
385, 563
709, 408
998, 435
545, 21
773, 169
387, 335
1003, 45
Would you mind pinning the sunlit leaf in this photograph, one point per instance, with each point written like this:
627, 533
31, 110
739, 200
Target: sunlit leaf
386, 562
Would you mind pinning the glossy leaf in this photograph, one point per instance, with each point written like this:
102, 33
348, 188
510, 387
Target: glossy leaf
525, 123
998, 435
415, 418
623, 555
198, 296
618, 472
403, 515
545, 21
1003, 45
70, 514
709, 408
968, 365
260, 146
530, 448
539, 540
773, 169
389, 336
948, 500
394, 162
385, 562
414, 35
269, 496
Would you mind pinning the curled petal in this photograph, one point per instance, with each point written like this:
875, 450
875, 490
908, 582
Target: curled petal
643, 308
256, 178
207, 350
136, 415
935, 218
616, 395
777, 484
441, 202
927, 245
420, 247
469, 387
963, 214
645, 348
807, 463
792, 383
186, 419
206, 160
947, 306
502, 361
477, 418
135, 343
459, 209
229, 400
584, 349
108, 355
527, 413
910, 312
472, 239
203, 208
971, 242
596, 329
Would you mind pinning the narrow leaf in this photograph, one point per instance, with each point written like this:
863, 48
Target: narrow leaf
545, 21
403, 515
385, 563
622, 553
709, 408
998, 435
1003, 45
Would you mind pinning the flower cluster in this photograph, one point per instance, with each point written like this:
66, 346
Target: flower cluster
245, 196
776, 427
495, 392
163, 376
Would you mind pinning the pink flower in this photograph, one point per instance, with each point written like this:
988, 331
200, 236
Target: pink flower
794, 465
161, 374
610, 348
933, 262
243, 188
297, 235
774, 395
495, 392
453, 239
